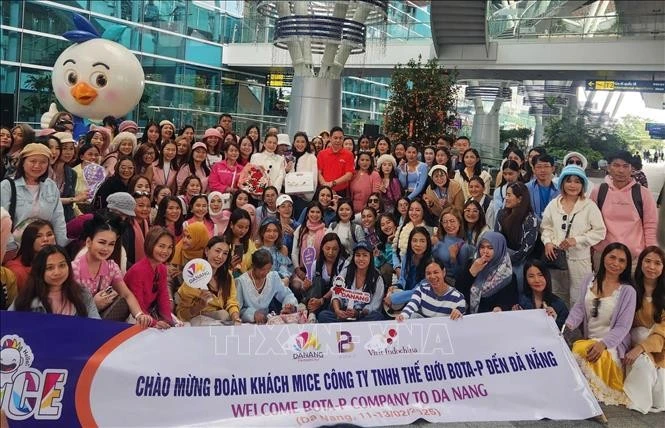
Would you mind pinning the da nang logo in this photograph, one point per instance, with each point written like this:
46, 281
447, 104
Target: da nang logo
25, 391
306, 347
197, 273
386, 344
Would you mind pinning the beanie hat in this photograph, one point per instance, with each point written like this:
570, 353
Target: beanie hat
122, 202
126, 125
386, 158
122, 136
64, 137
166, 122
583, 158
575, 170
35, 149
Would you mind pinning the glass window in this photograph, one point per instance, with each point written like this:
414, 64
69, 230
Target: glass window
161, 70
203, 53
200, 78
40, 50
8, 74
81, 4
127, 10
47, 19
9, 45
11, 12
163, 44
229, 96
35, 94
125, 35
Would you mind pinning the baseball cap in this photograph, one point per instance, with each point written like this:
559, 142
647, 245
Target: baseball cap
283, 198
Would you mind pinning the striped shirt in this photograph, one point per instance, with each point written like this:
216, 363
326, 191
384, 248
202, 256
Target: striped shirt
428, 304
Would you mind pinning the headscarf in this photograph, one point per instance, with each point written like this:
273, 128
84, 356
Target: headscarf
200, 237
496, 275
221, 218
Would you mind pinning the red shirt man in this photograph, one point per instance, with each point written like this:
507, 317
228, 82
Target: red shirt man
336, 164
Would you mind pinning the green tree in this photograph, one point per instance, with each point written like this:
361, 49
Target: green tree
582, 133
40, 97
633, 130
517, 137
422, 101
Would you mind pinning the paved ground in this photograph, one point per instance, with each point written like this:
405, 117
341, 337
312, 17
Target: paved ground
617, 417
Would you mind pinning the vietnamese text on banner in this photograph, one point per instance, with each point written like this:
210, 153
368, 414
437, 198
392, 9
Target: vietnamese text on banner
489, 367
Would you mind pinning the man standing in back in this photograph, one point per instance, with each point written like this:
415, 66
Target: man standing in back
629, 210
336, 164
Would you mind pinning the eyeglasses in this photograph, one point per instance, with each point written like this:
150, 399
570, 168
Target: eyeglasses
594, 308
574, 161
373, 200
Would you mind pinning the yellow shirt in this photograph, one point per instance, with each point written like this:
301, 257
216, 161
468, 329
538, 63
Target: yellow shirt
9, 281
187, 295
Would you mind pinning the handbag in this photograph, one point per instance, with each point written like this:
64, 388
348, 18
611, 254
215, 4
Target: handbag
560, 261
299, 182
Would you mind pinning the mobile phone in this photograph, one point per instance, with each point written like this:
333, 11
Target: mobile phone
238, 250
108, 291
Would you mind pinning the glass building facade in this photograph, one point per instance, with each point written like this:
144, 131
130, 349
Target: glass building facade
179, 44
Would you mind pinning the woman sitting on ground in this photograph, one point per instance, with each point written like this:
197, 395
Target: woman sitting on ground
219, 303
51, 287
538, 292
359, 275
488, 283
434, 297
258, 287
605, 308
645, 362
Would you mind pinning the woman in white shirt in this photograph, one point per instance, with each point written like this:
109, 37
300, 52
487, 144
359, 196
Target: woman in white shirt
273, 163
304, 160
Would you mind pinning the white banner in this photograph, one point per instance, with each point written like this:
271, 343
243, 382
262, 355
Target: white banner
489, 367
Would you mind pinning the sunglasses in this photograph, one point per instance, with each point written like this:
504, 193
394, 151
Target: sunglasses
574, 162
594, 308
372, 200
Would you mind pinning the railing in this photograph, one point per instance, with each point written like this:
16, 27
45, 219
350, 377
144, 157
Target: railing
261, 30
610, 25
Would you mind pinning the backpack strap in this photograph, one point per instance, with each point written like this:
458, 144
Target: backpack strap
602, 193
486, 203
636, 192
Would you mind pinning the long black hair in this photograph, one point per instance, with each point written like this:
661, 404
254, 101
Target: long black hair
237, 215
321, 259
482, 220
548, 295
420, 267
223, 273
160, 218
658, 297
373, 275
513, 218
36, 287
26, 252
304, 230
477, 168
105, 221
624, 277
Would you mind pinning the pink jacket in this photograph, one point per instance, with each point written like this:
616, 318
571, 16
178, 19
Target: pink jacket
222, 177
623, 221
361, 187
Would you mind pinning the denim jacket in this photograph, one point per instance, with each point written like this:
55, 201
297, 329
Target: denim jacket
49, 207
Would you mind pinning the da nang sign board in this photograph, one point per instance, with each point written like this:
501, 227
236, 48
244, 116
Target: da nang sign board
626, 85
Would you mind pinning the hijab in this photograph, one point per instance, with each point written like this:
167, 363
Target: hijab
496, 275
200, 237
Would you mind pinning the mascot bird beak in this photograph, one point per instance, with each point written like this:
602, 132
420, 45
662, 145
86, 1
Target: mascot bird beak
83, 93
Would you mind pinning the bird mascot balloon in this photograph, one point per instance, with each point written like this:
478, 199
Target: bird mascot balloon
94, 78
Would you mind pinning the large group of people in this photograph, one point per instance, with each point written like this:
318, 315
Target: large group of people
102, 226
